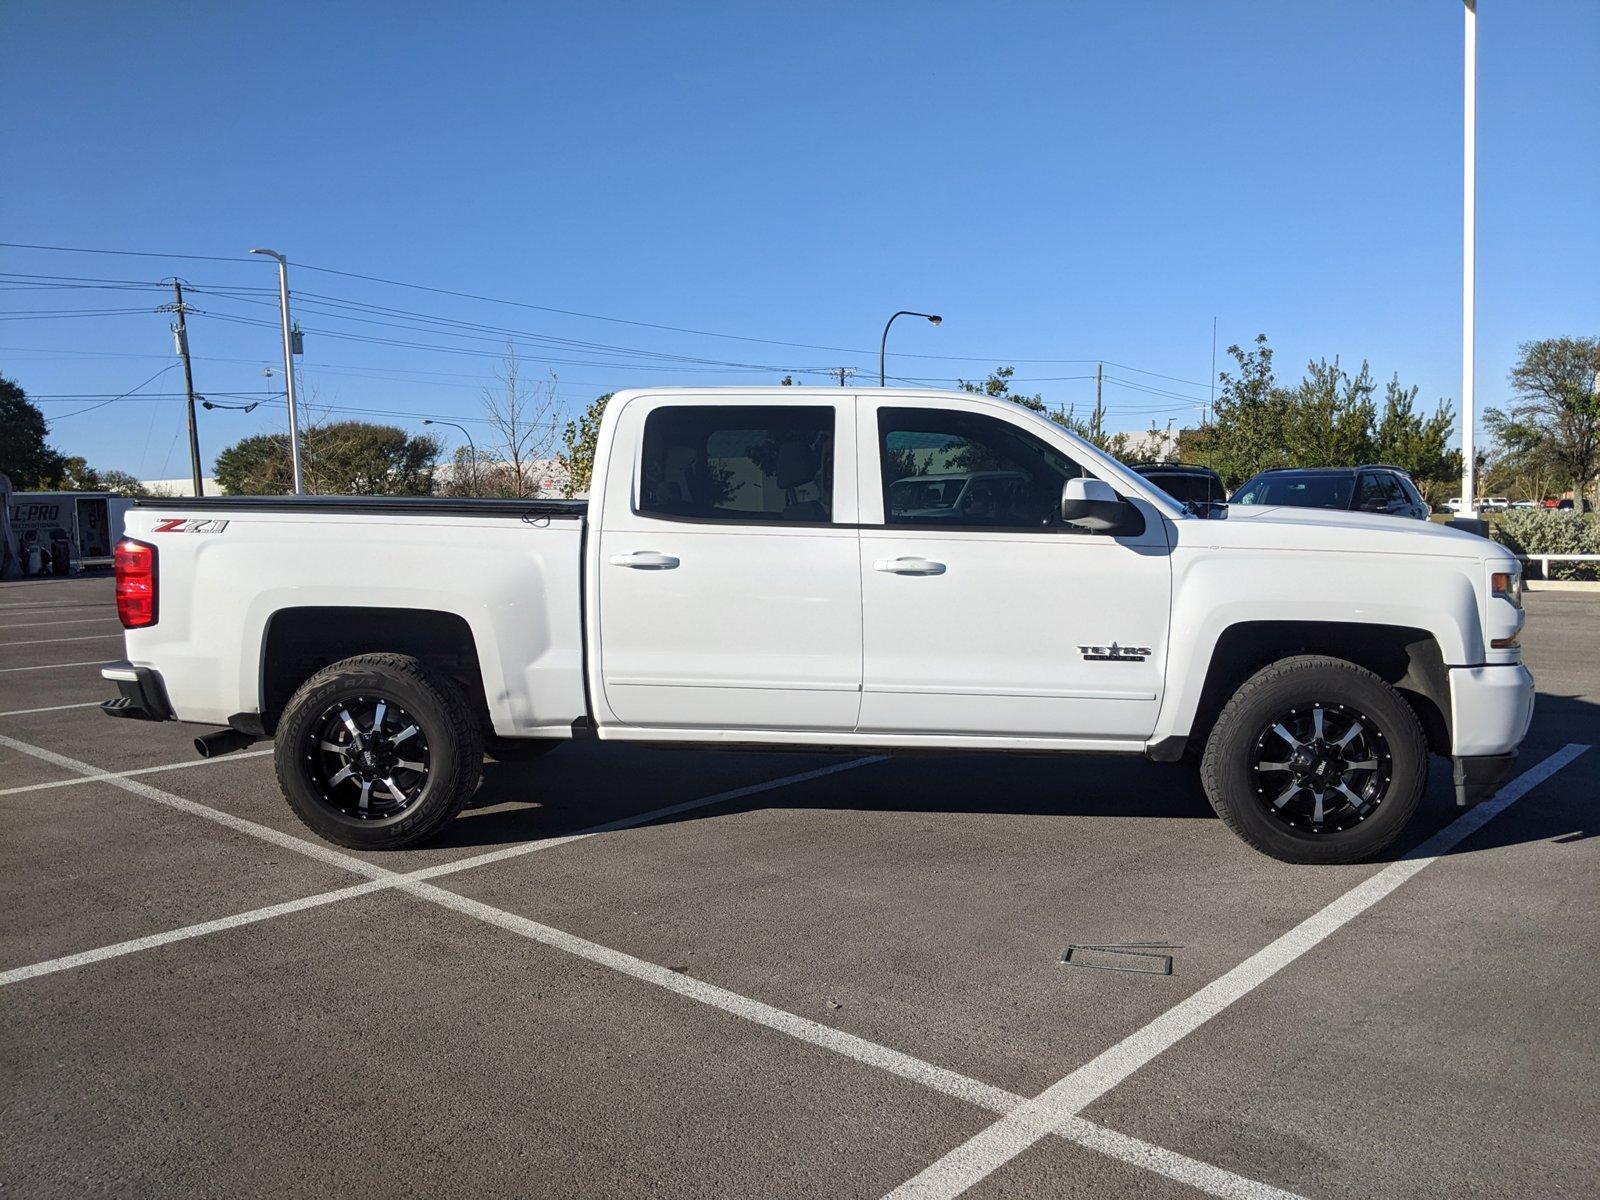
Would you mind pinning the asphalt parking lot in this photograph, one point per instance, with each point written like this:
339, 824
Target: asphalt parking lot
628, 971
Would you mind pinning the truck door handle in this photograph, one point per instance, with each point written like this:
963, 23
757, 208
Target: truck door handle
909, 566
645, 560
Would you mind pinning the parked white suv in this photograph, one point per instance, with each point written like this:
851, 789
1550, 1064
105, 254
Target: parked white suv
751, 569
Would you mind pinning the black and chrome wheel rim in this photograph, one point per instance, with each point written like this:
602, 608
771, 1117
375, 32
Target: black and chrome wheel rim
1321, 768
368, 757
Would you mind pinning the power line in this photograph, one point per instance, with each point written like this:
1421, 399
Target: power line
588, 316
125, 253
114, 399
64, 314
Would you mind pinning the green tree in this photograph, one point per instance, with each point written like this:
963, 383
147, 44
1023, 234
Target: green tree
121, 483
25, 458
1247, 431
258, 465
1420, 444
998, 387
1554, 422
1091, 430
1329, 419
578, 442
351, 458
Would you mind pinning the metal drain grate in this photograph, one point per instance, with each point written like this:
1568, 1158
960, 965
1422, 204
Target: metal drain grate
1138, 958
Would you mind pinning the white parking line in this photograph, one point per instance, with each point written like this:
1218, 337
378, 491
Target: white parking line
97, 662
388, 878
118, 949
109, 776
285, 840
78, 621
92, 637
1204, 1176
985, 1152
1025, 1121
23, 712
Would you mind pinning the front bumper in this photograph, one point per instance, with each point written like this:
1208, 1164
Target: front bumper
141, 694
1490, 709
1478, 779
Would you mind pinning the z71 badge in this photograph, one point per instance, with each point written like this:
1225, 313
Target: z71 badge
1114, 653
189, 525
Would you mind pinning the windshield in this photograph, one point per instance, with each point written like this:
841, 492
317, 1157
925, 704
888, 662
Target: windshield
1196, 488
1298, 491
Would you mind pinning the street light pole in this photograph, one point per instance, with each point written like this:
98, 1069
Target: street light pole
883, 345
471, 446
288, 365
1469, 240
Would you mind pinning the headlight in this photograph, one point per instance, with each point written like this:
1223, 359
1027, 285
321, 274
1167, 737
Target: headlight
1507, 585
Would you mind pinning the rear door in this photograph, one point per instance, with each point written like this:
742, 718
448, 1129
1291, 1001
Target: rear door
989, 616
728, 579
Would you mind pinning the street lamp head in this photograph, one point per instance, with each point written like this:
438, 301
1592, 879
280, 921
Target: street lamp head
427, 420
935, 320
269, 254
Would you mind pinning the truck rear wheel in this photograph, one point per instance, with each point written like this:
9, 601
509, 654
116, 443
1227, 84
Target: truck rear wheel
378, 752
1316, 760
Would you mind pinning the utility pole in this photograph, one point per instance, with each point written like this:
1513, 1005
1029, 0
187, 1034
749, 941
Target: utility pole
1099, 381
288, 364
1212, 403
842, 372
1469, 243
180, 337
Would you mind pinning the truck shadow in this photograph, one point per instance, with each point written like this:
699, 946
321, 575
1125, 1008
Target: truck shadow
586, 784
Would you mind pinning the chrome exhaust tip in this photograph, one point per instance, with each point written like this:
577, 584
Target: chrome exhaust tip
223, 741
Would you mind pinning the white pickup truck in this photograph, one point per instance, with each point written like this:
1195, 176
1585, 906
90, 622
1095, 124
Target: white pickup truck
747, 572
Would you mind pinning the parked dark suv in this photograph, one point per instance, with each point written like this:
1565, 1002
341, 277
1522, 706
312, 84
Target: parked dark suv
1200, 487
1372, 488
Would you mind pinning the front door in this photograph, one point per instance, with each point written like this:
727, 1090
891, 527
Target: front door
728, 579
983, 613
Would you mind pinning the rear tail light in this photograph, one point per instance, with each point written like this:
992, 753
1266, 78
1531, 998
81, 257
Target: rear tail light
136, 583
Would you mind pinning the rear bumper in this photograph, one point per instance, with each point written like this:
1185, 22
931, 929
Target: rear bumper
1490, 709
141, 694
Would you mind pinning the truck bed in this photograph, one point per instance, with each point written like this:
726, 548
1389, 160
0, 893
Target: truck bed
381, 505
247, 583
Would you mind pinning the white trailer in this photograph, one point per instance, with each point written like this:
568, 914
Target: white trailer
92, 521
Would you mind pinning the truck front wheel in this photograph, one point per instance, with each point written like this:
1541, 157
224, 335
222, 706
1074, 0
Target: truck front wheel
378, 752
1316, 760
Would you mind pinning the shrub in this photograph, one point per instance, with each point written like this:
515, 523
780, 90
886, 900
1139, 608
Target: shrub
1550, 531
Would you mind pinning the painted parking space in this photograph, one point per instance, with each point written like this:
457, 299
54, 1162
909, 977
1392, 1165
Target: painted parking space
822, 983
383, 1046
90, 865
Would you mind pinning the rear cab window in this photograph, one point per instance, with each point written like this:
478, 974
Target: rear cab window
755, 463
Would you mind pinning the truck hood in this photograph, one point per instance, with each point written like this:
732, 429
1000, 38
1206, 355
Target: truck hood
1269, 527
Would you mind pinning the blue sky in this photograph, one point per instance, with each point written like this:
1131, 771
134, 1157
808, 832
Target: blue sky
1064, 181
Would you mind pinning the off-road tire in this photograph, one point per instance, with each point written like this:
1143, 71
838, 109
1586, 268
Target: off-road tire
453, 735
1230, 783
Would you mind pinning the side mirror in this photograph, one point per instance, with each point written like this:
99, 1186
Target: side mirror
1092, 504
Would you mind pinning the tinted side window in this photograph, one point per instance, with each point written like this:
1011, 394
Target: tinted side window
1371, 494
769, 463
1410, 490
967, 469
